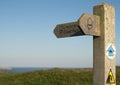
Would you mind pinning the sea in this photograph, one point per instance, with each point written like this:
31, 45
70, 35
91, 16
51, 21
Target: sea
24, 69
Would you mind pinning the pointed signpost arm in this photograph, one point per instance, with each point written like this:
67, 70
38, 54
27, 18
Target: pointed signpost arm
68, 30
86, 25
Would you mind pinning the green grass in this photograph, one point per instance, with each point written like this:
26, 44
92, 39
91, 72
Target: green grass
51, 77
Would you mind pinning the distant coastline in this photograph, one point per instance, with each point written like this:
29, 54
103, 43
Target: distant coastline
5, 68
21, 69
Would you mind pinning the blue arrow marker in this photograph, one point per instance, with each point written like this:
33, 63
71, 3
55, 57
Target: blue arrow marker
111, 51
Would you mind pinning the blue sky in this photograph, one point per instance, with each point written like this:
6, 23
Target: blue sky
27, 39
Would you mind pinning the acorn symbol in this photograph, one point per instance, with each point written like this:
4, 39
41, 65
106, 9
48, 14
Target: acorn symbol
89, 23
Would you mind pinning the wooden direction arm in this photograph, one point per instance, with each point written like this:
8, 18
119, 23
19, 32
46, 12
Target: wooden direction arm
86, 25
68, 30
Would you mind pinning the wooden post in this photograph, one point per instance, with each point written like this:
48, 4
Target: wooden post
104, 52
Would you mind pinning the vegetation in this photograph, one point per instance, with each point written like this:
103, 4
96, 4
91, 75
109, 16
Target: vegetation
51, 77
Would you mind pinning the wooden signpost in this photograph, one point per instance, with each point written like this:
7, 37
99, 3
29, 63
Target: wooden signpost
100, 25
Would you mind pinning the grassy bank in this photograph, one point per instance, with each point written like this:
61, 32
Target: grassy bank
51, 77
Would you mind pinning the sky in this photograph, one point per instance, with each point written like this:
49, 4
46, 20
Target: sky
27, 38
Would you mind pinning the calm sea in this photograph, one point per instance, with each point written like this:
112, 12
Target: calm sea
24, 69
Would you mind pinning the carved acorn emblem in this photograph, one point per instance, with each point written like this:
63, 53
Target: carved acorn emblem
89, 23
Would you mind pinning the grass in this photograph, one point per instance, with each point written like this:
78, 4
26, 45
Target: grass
51, 77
